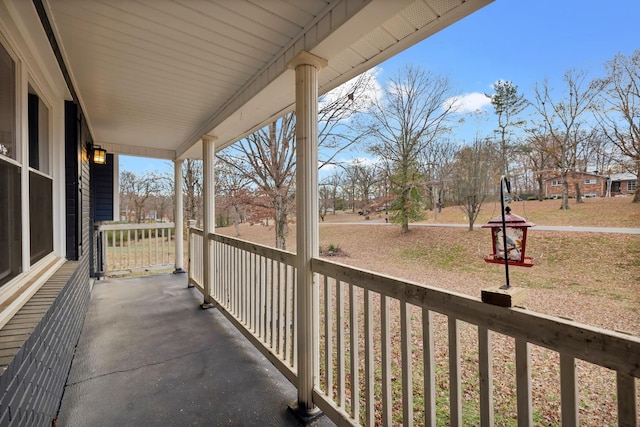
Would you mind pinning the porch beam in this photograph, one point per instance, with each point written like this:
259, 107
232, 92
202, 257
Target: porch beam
306, 66
178, 215
209, 224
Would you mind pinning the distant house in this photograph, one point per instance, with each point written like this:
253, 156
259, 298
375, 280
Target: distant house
590, 184
621, 184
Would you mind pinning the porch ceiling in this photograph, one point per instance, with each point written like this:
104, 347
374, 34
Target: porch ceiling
153, 76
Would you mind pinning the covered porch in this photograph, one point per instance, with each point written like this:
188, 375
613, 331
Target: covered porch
182, 80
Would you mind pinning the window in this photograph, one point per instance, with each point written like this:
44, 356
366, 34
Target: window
10, 206
10, 222
40, 216
631, 185
40, 185
7, 105
590, 181
38, 133
556, 183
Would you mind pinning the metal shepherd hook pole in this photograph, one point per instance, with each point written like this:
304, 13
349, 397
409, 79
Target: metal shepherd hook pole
506, 182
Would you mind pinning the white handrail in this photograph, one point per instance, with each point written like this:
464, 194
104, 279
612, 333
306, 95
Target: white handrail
127, 248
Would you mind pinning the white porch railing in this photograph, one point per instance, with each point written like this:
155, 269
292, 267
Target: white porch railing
387, 328
129, 248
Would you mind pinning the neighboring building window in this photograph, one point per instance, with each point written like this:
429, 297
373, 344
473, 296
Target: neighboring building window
556, 183
590, 181
631, 185
7, 105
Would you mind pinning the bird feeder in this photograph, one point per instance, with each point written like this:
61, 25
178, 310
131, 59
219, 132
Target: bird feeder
514, 238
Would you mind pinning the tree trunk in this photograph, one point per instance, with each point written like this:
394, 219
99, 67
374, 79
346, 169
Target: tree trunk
236, 220
403, 214
540, 187
576, 186
565, 191
636, 194
280, 222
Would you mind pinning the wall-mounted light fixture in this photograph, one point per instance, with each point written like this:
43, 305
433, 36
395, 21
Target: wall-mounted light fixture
99, 155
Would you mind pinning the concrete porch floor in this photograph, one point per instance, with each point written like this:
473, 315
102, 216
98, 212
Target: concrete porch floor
148, 355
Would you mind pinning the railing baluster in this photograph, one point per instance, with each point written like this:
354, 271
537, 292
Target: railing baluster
369, 360
485, 371
294, 335
455, 389
258, 310
523, 382
247, 290
428, 356
128, 265
254, 294
354, 349
121, 249
340, 343
568, 390
113, 250
281, 327
274, 305
170, 247
385, 342
407, 364
328, 337
627, 405
287, 316
135, 249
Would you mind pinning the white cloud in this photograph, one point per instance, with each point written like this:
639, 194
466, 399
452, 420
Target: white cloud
468, 102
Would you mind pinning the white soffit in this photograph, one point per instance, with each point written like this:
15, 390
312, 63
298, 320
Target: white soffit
154, 75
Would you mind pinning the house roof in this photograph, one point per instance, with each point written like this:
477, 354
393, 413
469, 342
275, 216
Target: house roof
622, 176
154, 76
557, 175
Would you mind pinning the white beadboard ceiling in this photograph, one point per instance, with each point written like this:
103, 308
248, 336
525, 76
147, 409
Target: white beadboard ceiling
153, 76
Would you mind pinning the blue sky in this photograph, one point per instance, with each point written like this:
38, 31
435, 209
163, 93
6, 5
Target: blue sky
521, 41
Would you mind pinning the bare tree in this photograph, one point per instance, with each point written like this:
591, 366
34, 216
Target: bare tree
437, 164
192, 188
331, 184
565, 121
538, 148
410, 116
267, 159
233, 187
338, 113
136, 190
620, 120
474, 174
364, 177
507, 104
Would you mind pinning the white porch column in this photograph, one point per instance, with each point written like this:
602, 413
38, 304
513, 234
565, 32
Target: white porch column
306, 67
178, 215
209, 193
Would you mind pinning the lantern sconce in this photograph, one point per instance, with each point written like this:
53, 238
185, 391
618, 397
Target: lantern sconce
99, 155
509, 241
